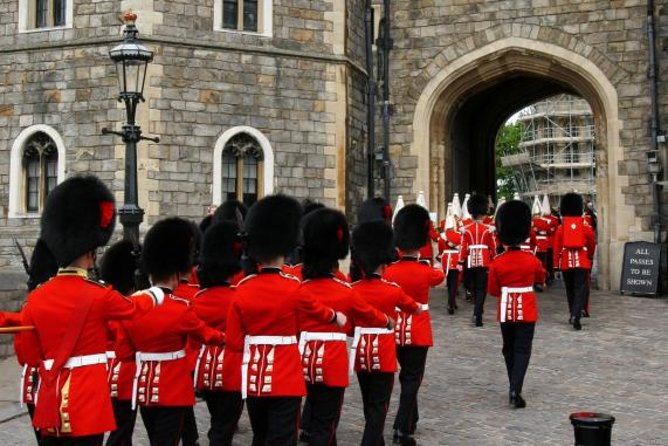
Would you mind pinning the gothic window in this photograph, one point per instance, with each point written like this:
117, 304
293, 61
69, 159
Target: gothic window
44, 14
241, 171
40, 170
251, 16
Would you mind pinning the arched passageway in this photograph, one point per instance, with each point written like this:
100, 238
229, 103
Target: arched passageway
462, 107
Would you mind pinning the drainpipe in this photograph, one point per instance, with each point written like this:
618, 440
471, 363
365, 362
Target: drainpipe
371, 100
653, 158
387, 45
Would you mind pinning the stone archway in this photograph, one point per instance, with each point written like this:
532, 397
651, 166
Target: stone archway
455, 76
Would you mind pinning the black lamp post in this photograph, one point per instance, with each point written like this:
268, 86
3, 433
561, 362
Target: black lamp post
131, 59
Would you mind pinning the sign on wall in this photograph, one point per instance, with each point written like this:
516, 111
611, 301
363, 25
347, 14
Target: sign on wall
640, 270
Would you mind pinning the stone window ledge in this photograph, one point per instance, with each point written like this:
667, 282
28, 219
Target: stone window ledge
39, 30
23, 215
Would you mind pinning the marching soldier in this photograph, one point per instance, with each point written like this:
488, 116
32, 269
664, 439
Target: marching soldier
217, 372
373, 209
574, 246
553, 225
478, 250
412, 332
70, 314
117, 268
323, 347
512, 276
450, 243
542, 228
163, 382
375, 349
262, 323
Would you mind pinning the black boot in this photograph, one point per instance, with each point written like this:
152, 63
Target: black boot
403, 439
478, 321
517, 401
451, 310
577, 325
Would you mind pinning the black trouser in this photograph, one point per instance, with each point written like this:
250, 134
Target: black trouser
543, 256
376, 392
324, 405
125, 423
225, 409
550, 265
90, 440
467, 279
412, 361
189, 434
451, 282
305, 421
275, 420
517, 339
163, 423
576, 281
479, 283
31, 412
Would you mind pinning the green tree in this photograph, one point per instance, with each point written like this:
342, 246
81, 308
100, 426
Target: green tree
507, 143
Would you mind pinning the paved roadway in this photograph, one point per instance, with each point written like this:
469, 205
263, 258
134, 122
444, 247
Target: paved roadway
617, 364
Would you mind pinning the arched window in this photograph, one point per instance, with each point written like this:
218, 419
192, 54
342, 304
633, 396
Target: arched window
243, 166
37, 165
40, 170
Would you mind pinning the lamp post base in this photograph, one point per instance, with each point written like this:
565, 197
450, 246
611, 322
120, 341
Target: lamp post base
131, 217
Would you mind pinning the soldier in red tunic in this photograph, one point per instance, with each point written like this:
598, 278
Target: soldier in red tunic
373, 209
574, 246
262, 323
217, 373
375, 348
412, 332
71, 313
324, 349
163, 382
542, 228
512, 276
449, 246
117, 268
478, 250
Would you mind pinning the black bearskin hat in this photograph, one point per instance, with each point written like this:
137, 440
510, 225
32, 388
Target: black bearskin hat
118, 266
411, 227
205, 223
272, 227
79, 215
374, 209
169, 248
513, 222
373, 245
478, 205
326, 240
221, 254
43, 265
311, 206
572, 205
232, 210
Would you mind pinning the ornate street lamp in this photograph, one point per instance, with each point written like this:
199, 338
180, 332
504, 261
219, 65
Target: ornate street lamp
131, 59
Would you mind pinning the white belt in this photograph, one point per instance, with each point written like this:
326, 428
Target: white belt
451, 251
79, 361
111, 354
141, 357
478, 247
359, 332
541, 237
505, 291
22, 383
259, 340
307, 336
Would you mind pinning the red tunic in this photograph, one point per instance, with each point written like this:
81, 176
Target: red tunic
266, 304
378, 352
9, 319
165, 330
326, 362
122, 371
542, 228
218, 369
566, 257
511, 278
83, 399
427, 251
451, 243
415, 279
478, 245
186, 291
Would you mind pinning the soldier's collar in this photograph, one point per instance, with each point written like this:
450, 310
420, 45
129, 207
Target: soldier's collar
410, 258
72, 271
375, 276
270, 270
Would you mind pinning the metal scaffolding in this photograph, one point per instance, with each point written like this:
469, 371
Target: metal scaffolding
558, 153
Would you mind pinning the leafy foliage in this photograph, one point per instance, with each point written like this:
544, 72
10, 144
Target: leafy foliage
507, 143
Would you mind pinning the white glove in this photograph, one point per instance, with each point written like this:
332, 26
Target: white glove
341, 319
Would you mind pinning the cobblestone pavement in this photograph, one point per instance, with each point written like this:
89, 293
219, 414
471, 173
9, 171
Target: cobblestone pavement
618, 364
